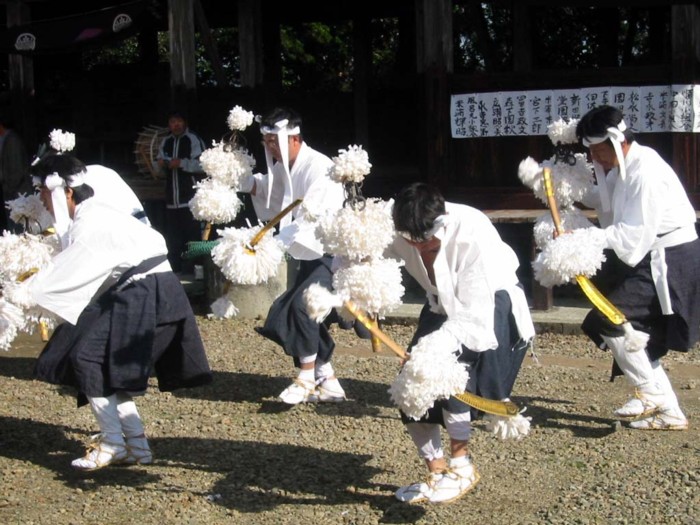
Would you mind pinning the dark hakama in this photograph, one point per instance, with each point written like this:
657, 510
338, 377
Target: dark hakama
492, 373
635, 296
124, 337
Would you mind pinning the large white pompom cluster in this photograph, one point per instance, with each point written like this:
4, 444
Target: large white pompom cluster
356, 233
351, 165
571, 219
239, 119
571, 183
239, 264
226, 164
431, 373
215, 202
20, 255
61, 141
577, 253
374, 286
29, 211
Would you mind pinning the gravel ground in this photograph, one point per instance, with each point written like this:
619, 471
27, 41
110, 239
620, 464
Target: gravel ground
231, 453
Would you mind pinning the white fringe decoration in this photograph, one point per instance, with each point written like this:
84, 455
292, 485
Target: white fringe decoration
577, 253
215, 202
530, 172
21, 253
357, 234
634, 339
11, 321
352, 165
431, 373
61, 141
226, 164
516, 427
241, 267
374, 286
223, 308
320, 301
239, 119
29, 211
563, 132
571, 219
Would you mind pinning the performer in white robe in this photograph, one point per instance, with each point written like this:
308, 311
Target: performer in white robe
126, 314
649, 223
475, 305
295, 170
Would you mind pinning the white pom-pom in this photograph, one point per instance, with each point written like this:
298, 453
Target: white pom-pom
214, 202
227, 164
11, 320
529, 172
223, 308
571, 219
431, 373
634, 339
577, 253
374, 286
22, 253
61, 141
232, 254
320, 301
562, 132
28, 210
357, 234
515, 427
352, 165
239, 119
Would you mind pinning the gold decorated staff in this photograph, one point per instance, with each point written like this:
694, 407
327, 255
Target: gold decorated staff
490, 406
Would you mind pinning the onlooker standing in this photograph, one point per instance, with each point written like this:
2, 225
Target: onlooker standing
178, 160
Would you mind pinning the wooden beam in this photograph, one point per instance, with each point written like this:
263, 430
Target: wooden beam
182, 61
209, 44
250, 42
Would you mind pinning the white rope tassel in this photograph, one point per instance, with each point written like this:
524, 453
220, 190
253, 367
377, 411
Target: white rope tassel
634, 339
617, 137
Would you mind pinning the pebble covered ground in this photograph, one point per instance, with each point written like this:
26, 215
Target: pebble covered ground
232, 453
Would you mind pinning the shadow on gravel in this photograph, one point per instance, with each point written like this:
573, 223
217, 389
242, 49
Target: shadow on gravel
17, 367
258, 477
47, 446
245, 387
582, 425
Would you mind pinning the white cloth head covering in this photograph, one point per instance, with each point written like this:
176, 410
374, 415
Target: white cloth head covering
616, 136
282, 131
56, 185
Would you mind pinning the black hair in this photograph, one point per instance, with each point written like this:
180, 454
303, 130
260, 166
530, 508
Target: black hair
280, 113
64, 166
415, 209
176, 113
596, 122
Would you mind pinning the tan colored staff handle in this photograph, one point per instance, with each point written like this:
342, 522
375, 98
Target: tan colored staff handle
594, 295
206, 233
273, 222
374, 329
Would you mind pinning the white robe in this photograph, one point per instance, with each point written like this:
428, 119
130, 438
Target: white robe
472, 265
111, 190
645, 206
309, 181
102, 244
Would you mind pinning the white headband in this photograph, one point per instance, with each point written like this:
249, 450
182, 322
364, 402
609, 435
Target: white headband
439, 222
617, 137
283, 132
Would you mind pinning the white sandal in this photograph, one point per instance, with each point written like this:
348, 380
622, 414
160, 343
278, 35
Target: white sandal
138, 451
100, 453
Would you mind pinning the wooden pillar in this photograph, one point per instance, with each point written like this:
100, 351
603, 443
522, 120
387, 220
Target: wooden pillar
183, 83
434, 53
360, 83
685, 50
21, 79
250, 42
522, 37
